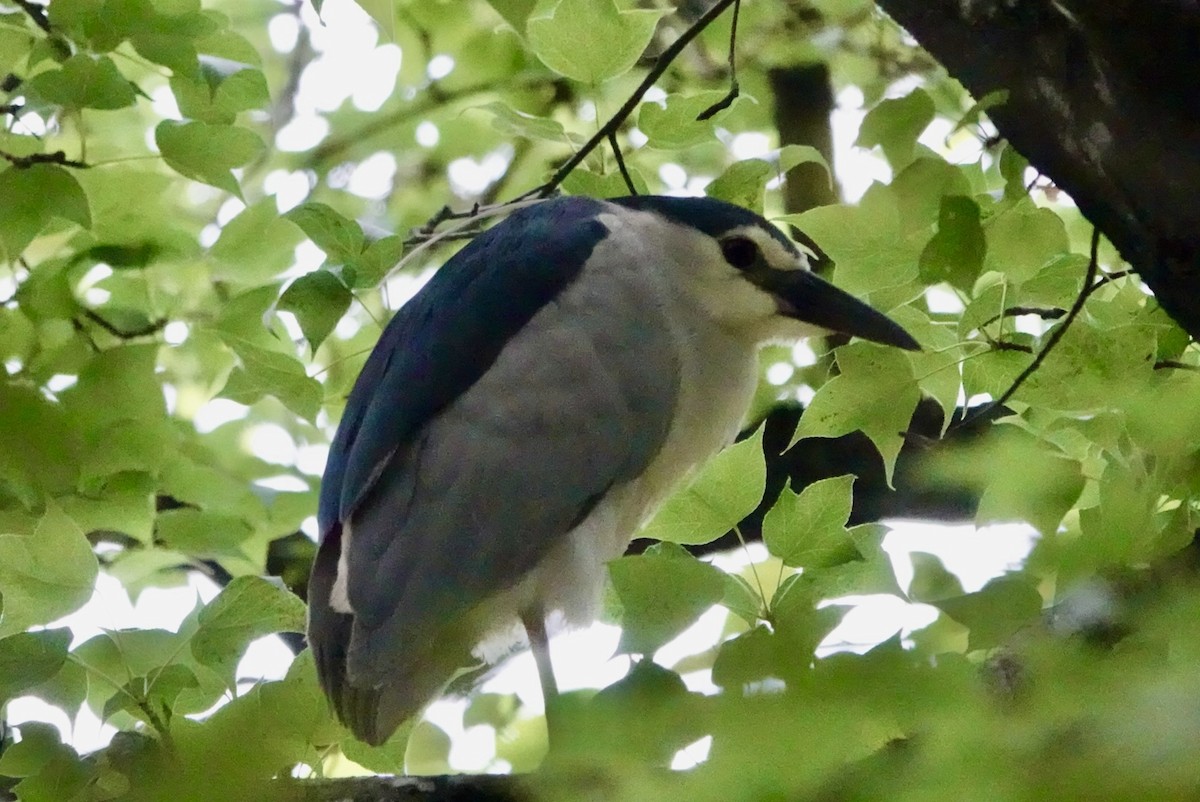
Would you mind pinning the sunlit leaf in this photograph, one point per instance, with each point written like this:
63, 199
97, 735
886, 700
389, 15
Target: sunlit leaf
725, 491
662, 591
591, 40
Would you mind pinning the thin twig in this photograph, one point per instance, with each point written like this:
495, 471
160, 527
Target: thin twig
1089, 286
661, 64
57, 157
1174, 364
734, 90
153, 327
616, 149
1045, 313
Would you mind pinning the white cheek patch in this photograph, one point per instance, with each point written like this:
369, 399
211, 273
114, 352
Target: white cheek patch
339, 594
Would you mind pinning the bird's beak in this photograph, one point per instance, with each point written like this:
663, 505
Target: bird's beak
805, 296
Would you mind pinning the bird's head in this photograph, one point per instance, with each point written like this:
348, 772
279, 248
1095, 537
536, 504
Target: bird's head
746, 274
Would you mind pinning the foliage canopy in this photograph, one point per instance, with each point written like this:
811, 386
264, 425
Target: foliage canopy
202, 207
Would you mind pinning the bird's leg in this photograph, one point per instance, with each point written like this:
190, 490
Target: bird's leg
539, 643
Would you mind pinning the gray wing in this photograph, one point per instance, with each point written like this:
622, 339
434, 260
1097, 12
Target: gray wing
579, 401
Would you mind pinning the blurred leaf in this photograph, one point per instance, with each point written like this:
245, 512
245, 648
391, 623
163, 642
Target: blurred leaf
31, 198
247, 608
894, 125
46, 574
255, 246
591, 40
1003, 606
931, 581
727, 489
674, 126
85, 82
318, 300
956, 252
515, 12
512, 122
29, 658
221, 90
265, 373
340, 238
742, 599
207, 153
1022, 239
663, 591
582, 181
428, 750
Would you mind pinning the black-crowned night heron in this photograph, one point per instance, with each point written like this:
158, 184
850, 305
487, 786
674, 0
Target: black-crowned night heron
525, 413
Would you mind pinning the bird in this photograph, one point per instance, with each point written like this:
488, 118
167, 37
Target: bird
525, 413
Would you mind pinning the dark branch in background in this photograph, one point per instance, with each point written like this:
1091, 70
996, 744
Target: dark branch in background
153, 327
284, 108
734, 90
1103, 99
661, 64
1089, 286
449, 788
57, 157
616, 149
36, 12
1174, 364
1045, 313
803, 104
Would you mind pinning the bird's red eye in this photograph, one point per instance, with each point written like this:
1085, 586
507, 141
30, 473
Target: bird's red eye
740, 252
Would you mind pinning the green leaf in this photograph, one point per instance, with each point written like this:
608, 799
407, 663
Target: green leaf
931, 581
1022, 239
894, 125
875, 393
265, 372
742, 599
158, 691
428, 750
34, 196
222, 89
591, 40
373, 265
995, 612
674, 126
515, 12
955, 254
318, 300
663, 591
867, 243
808, 530
85, 82
727, 489
514, 123
583, 181
207, 153
202, 533
248, 608
255, 246
52, 771
30, 658
748, 658
872, 572
384, 14
340, 238
46, 574
744, 183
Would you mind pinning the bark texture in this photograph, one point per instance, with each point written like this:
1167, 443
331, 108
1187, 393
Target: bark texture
1103, 99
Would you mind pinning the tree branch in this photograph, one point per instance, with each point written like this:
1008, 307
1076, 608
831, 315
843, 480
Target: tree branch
1103, 99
